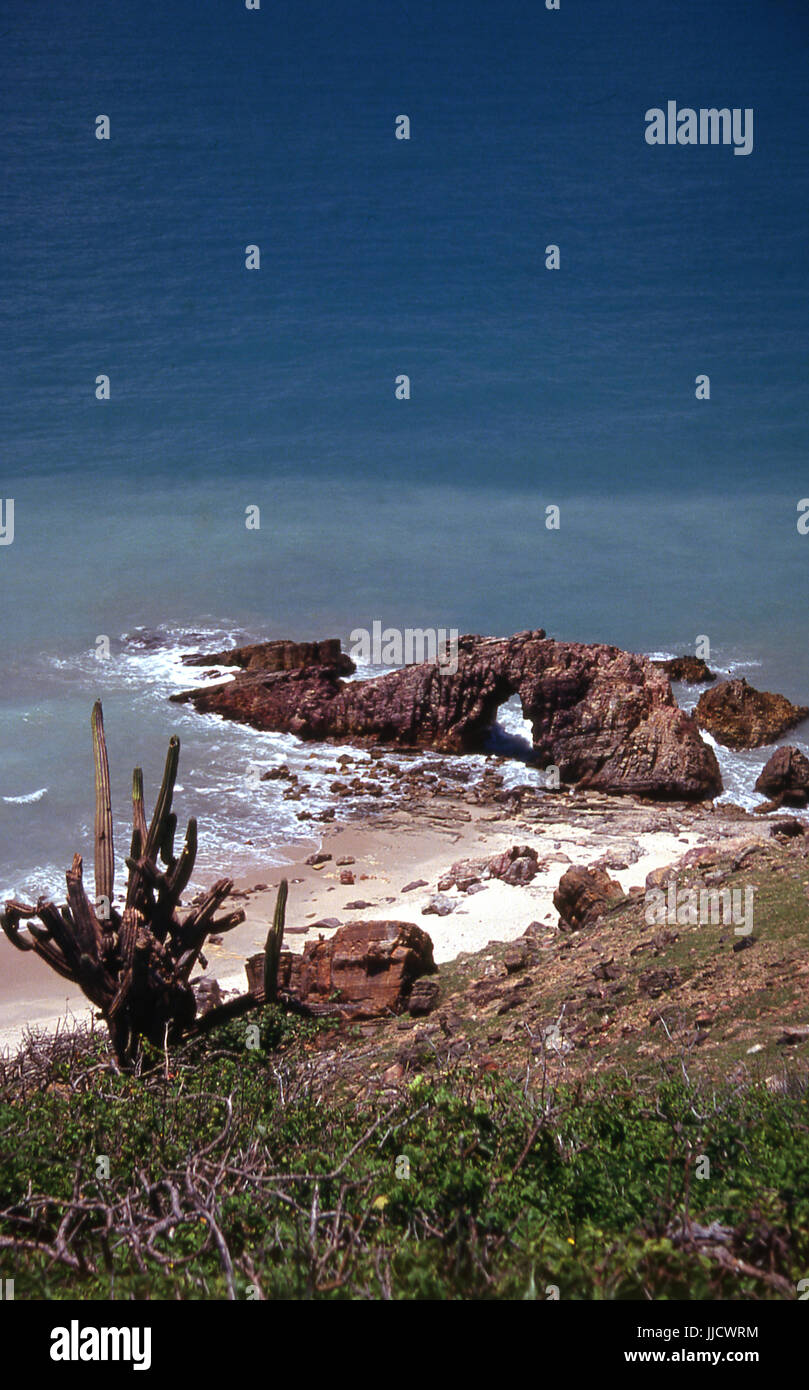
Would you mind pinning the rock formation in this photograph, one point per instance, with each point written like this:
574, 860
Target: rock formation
606, 718
692, 670
785, 778
583, 894
366, 970
740, 716
278, 656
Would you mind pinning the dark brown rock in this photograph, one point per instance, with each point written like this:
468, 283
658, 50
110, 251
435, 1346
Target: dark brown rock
278, 656
517, 955
606, 718
789, 828
692, 670
207, 993
654, 982
740, 716
366, 970
424, 997
583, 894
786, 776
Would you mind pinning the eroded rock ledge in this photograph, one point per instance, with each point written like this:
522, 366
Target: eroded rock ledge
606, 718
279, 655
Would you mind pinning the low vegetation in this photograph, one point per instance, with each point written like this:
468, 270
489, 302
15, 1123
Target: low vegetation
229, 1171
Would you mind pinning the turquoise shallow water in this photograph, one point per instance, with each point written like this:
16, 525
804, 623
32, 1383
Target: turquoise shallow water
275, 388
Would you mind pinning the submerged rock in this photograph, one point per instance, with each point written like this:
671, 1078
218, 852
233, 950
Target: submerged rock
692, 670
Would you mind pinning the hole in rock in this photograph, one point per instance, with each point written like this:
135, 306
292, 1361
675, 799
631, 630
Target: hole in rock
510, 734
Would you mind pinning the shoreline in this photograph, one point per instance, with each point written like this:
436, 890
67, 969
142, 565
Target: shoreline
400, 845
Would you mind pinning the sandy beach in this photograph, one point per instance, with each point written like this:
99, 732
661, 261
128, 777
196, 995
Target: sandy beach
388, 852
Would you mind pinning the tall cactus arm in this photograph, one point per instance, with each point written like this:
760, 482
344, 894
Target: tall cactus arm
179, 876
139, 830
272, 948
104, 852
162, 810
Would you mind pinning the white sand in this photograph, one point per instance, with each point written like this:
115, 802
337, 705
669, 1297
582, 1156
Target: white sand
385, 860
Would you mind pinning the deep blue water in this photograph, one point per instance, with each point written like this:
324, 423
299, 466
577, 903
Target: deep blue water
275, 388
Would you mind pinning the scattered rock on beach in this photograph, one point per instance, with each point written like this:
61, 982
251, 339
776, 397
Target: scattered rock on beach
462, 875
516, 866
440, 905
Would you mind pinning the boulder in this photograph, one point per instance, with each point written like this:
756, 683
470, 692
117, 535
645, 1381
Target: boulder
739, 716
463, 875
439, 905
424, 997
366, 970
785, 776
516, 866
692, 670
606, 718
583, 894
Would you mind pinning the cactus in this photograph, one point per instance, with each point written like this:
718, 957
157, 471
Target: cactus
272, 946
134, 964
104, 850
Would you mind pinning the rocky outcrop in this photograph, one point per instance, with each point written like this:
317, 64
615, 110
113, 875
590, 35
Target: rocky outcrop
606, 718
785, 778
366, 970
516, 866
740, 716
692, 670
584, 894
278, 656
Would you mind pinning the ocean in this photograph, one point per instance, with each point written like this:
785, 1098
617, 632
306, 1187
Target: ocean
276, 388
